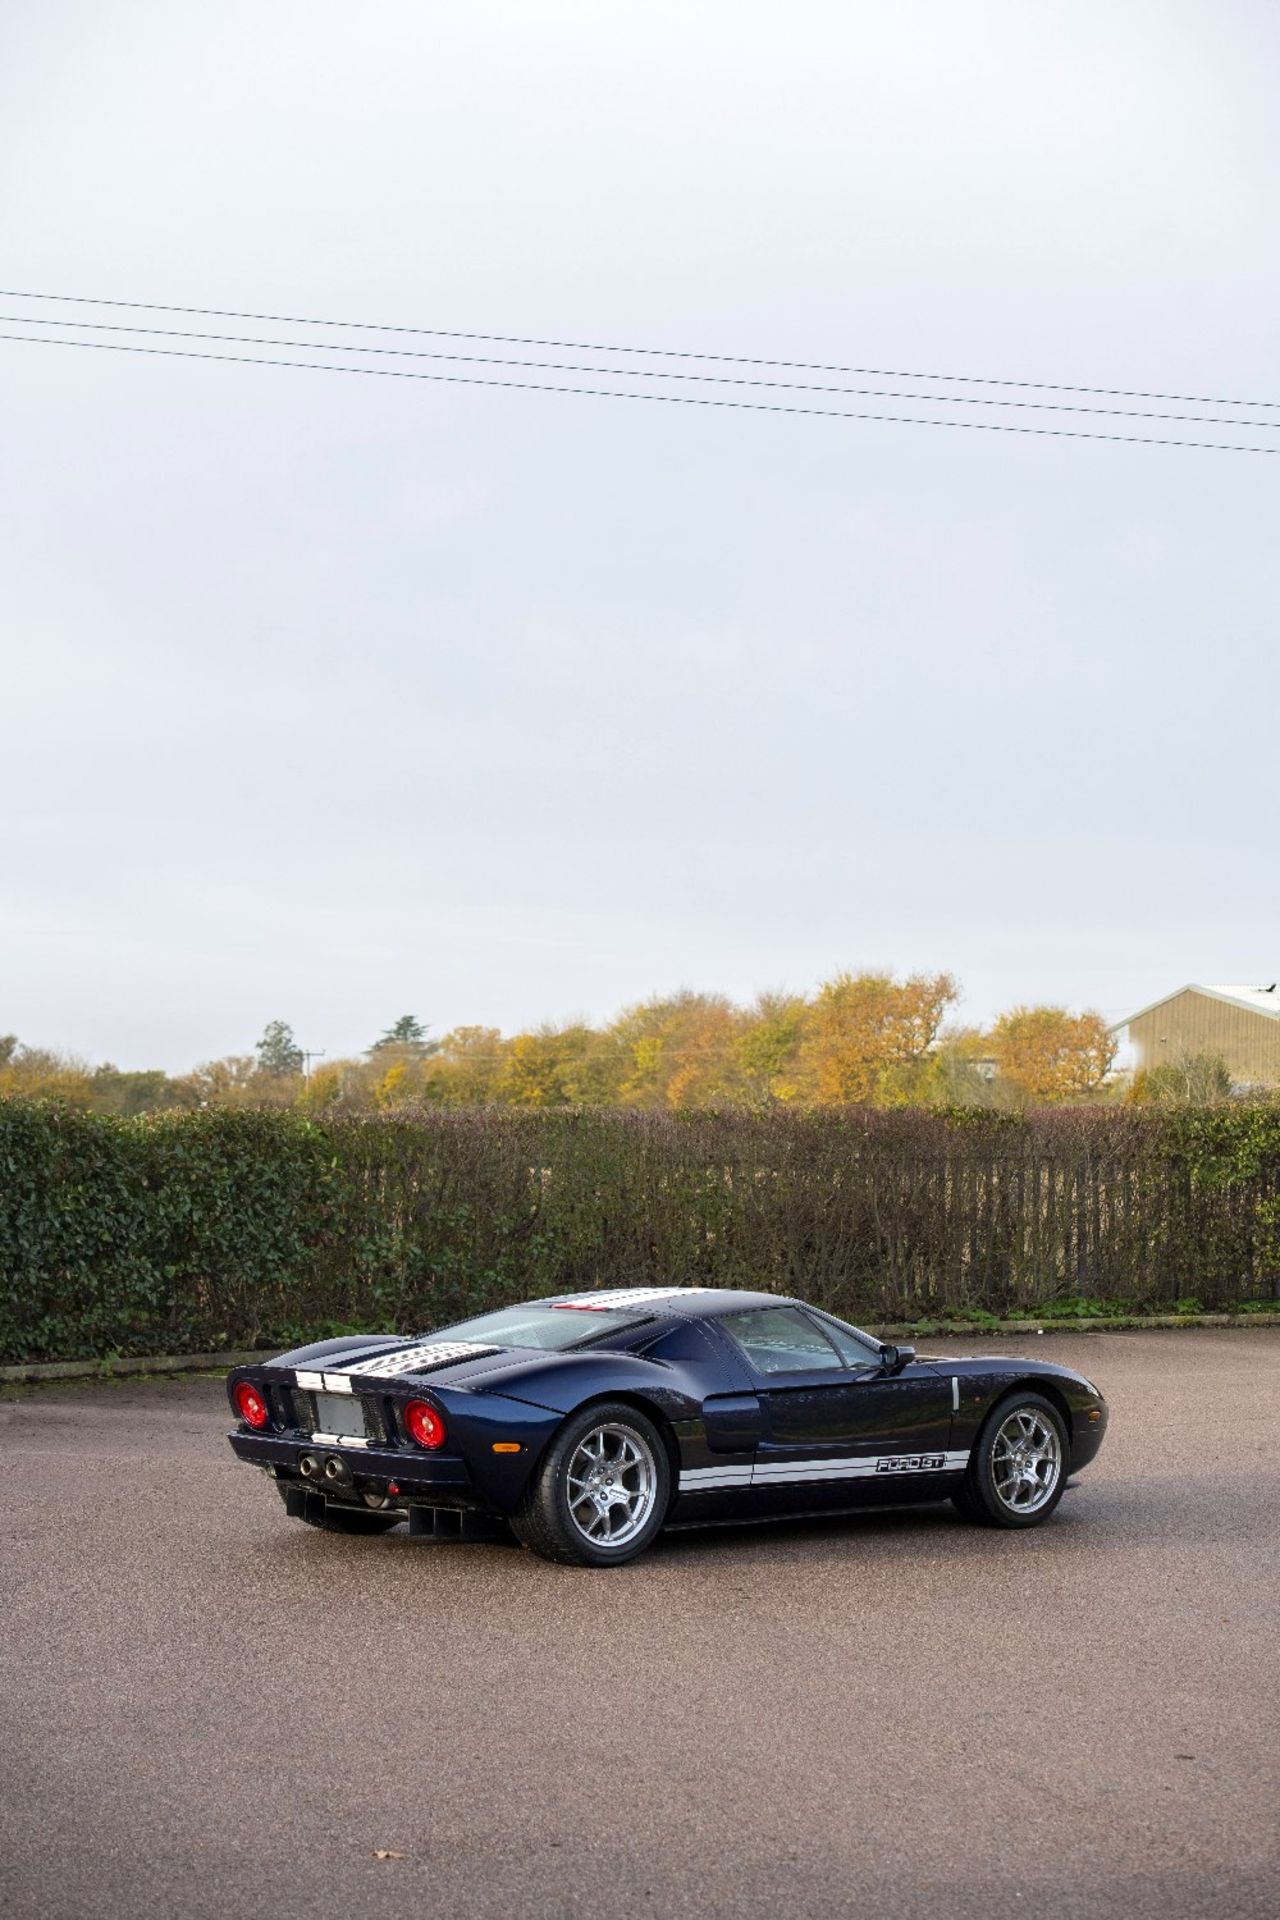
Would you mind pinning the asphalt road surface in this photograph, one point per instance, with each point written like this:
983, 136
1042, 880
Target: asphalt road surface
206, 1708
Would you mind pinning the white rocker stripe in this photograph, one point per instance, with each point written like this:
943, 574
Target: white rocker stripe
799, 1472
704, 1479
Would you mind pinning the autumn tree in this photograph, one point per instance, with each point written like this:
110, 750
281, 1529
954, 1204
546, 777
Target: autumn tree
867, 1037
544, 1068
337, 1086
705, 1067
233, 1081
678, 1051
37, 1073
1049, 1055
465, 1068
767, 1047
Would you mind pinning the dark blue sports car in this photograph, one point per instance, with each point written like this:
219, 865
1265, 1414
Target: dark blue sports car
591, 1421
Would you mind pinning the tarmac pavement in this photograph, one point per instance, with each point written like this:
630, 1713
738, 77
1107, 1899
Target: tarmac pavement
206, 1708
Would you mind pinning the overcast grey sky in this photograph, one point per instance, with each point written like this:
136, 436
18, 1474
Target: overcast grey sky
327, 698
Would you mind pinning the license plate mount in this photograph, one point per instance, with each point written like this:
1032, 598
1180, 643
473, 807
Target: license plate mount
342, 1414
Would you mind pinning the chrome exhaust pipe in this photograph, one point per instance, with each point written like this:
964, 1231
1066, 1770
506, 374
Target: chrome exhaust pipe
336, 1471
309, 1467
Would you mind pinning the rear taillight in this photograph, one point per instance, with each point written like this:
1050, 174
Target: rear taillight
423, 1424
250, 1405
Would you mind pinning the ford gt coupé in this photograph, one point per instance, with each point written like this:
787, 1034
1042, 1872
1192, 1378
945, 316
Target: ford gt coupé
590, 1422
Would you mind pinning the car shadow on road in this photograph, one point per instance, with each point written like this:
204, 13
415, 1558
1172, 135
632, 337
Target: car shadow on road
1107, 1519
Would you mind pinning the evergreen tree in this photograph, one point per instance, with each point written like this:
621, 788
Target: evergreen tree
279, 1054
406, 1035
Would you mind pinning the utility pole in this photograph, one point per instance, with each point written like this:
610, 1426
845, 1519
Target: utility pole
307, 1058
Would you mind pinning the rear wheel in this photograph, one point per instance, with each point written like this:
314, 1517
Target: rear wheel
601, 1494
1018, 1467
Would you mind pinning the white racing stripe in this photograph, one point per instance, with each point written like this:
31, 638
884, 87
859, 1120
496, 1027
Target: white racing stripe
630, 1296
337, 1440
324, 1382
419, 1359
773, 1473
389, 1366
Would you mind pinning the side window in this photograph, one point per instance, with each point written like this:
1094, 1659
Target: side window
854, 1348
781, 1340
685, 1342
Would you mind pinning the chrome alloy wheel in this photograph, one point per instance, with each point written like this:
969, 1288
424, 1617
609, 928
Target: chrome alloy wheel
612, 1485
1026, 1461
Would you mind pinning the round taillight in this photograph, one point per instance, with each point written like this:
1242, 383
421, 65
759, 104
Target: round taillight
250, 1405
423, 1424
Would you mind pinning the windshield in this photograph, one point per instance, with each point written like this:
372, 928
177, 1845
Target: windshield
551, 1328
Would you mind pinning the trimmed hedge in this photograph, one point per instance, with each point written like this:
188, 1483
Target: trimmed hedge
174, 1233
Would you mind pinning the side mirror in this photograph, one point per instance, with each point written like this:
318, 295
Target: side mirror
894, 1359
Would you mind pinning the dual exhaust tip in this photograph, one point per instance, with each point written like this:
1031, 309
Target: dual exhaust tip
331, 1468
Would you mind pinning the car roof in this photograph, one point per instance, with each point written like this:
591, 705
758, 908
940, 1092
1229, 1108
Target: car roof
688, 1303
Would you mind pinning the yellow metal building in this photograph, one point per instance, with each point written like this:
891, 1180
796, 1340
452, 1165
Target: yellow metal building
1241, 1024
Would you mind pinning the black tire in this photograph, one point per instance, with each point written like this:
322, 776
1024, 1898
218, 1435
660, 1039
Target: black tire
545, 1520
980, 1498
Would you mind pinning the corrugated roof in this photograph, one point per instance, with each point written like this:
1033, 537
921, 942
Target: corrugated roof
1261, 999
1265, 1000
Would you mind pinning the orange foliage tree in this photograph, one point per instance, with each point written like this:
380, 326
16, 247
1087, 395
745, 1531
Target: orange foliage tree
1048, 1055
868, 1036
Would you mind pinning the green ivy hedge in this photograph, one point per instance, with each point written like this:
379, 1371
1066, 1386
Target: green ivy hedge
184, 1233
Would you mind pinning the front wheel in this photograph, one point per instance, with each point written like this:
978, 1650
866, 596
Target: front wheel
601, 1494
1018, 1467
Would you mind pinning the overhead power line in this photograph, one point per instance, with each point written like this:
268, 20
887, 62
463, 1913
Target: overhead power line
646, 373
664, 353
612, 393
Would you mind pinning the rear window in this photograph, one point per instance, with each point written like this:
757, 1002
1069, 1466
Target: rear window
550, 1328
